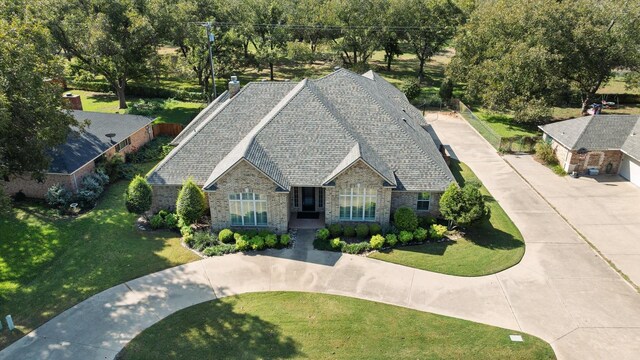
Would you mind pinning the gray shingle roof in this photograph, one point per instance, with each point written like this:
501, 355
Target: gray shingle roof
598, 132
305, 134
201, 117
84, 146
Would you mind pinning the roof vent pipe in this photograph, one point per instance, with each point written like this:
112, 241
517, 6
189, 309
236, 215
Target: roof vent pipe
234, 86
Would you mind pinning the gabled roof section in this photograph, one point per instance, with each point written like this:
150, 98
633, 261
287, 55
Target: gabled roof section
597, 132
356, 155
631, 147
203, 116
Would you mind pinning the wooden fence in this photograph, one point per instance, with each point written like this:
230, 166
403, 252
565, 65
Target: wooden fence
167, 129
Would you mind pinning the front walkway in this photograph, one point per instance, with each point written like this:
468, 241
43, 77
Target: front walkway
561, 291
605, 209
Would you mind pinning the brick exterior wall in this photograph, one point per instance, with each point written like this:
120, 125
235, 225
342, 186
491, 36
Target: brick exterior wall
164, 197
410, 199
361, 174
599, 159
34, 189
244, 176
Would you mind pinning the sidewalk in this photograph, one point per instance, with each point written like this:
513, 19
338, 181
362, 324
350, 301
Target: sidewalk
561, 291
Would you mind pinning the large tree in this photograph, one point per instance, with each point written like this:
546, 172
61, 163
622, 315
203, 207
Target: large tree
515, 53
113, 38
430, 24
31, 117
270, 35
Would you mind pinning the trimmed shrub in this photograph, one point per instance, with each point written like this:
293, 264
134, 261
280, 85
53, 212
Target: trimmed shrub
463, 206
191, 202
362, 230
226, 236
405, 219
446, 89
87, 199
377, 241
186, 230
92, 184
264, 233
138, 196
156, 222
202, 240
335, 230
322, 234
405, 236
58, 196
241, 242
426, 220
375, 229
544, 153
171, 221
163, 213
437, 232
188, 240
271, 240
218, 250
420, 234
257, 242
356, 248
349, 231
336, 243
285, 239
391, 239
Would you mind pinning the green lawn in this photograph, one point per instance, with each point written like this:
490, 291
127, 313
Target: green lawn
279, 325
173, 111
492, 245
503, 124
49, 263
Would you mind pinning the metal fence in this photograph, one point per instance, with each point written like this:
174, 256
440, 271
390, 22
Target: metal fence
502, 144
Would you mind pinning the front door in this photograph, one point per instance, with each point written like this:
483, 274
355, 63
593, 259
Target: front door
308, 199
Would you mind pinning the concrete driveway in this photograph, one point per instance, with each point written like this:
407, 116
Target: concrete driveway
604, 209
561, 291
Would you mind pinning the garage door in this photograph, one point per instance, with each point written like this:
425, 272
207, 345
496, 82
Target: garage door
630, 170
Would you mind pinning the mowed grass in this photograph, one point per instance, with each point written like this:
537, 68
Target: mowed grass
49, 263
503, 124
490, 246
173, 111
281, 325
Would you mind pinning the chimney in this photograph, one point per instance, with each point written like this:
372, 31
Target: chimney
234, 86
72, 101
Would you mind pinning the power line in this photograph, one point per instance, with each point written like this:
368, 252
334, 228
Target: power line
323, 27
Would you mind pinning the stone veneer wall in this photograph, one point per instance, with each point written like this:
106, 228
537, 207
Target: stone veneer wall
410, 199
164, 197
361, 174
244, 176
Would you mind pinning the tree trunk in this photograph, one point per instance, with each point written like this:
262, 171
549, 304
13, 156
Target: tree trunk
271, 70
120, 92
421, 69
389, 57
355, 57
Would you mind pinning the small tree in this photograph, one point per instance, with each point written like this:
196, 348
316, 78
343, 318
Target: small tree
463, 205
446, 90
191, 202
138, 196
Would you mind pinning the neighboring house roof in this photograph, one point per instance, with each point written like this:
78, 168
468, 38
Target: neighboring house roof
307, 133
598, 132
84, 146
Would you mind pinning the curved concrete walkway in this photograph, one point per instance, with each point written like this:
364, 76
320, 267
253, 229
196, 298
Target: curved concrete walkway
561, 291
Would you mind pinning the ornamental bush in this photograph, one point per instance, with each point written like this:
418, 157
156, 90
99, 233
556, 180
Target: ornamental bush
86, 199
405, 236
336, 243
405, 219
241, 242
186, 230
138, 196
463, 206
156, 221
375, 229
271, 240
420, 234
188, 239
90, 183
322, 234
377, 241
191, 202
349, 231
202, 240
362, 230
225, 236
220, 249
426, 220
171, 221
391, 239
58, 196
285, 239
437, 231
257, 242
335, 230
544, 153
356, 248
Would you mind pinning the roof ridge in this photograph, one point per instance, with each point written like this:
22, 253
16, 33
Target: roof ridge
584, 129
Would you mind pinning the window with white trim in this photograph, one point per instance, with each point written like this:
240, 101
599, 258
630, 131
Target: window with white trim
358, 203
123, 144
424, 198
248, 209
295, 197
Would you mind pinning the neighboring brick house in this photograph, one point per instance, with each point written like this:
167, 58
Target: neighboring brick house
343, 148
604, 144
76, 158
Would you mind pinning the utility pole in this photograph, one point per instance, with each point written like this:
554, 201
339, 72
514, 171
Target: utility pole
210, 39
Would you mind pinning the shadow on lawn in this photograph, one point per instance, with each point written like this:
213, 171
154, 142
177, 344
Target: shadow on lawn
215, 328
